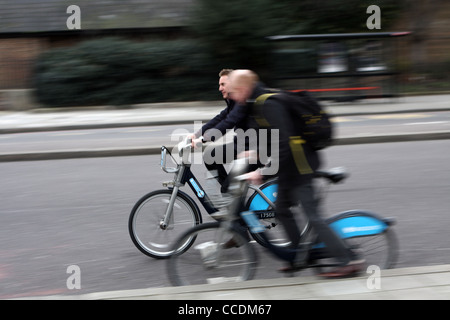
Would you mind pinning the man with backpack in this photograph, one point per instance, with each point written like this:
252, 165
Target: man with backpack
297, 160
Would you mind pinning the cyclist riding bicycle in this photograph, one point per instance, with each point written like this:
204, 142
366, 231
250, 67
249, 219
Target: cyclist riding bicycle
297, 162
234, 116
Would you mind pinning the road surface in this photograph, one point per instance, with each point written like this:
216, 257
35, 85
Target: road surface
62, 213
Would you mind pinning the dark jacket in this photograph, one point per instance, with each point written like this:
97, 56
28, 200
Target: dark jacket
234, 116
296, 160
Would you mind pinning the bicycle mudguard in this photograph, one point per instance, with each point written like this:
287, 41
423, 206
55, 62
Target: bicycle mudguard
256, 202
356, 223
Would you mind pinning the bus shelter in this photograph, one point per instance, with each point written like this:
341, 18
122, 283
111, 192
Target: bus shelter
340, 67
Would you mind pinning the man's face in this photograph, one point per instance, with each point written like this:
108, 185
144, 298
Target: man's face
223, 86
239, 94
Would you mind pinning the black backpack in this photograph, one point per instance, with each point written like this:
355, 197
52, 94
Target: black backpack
314, 123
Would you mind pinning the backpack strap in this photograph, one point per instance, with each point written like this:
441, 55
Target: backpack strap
262, 98
259, 102
296, 143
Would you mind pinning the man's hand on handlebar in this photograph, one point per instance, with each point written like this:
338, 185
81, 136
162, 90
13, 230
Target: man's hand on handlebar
195, 142
254, 177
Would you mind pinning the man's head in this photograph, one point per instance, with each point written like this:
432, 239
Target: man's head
242, 84
224, 82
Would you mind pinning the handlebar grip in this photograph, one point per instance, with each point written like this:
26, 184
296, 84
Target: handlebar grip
198, 144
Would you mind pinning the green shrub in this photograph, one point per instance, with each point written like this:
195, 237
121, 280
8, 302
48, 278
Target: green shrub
114, 71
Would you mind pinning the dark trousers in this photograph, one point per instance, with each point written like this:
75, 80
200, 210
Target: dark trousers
305, 194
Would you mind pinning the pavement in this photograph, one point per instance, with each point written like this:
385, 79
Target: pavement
426, 282
414, 283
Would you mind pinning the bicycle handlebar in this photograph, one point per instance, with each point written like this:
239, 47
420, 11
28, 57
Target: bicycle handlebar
163, 161
334, 175
183, 146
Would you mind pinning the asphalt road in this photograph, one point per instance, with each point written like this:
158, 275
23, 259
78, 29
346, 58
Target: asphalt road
60, 213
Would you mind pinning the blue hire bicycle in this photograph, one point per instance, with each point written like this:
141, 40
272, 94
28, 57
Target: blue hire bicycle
211, 259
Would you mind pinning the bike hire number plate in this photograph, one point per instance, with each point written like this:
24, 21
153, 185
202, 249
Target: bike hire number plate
253, 222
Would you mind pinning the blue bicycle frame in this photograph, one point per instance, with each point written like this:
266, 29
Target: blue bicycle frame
348, 224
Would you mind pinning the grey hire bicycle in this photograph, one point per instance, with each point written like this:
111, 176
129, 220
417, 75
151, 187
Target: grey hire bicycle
161, 216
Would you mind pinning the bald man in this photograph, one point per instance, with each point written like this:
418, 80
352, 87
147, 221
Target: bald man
244, 85
297, 162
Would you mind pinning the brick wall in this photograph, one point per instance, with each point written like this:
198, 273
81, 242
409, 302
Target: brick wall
17, 57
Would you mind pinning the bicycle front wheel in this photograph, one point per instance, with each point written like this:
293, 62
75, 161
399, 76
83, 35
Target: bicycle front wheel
275, 231
145, 225
380, 250
368, 235
212, 259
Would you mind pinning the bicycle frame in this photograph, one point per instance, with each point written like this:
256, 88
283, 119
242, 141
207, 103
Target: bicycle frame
348, 224
183, 175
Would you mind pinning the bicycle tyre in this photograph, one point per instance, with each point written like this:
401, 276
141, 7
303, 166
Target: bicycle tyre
373, 253
209, 261
144, 222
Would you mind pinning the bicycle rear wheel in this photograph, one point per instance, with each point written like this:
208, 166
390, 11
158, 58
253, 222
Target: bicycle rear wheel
211, 260
145, 222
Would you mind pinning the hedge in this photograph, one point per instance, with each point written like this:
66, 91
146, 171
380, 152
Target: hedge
115, 71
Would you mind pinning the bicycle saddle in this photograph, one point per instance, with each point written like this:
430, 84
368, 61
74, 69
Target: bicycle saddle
334, 175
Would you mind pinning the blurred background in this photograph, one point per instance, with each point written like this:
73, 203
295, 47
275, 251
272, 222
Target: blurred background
133, 51
73, 208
